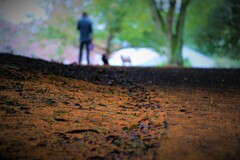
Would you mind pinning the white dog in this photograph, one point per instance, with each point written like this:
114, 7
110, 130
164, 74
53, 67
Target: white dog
126, 60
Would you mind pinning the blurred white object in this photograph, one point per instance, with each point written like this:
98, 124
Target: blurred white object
148, 57
197, 59
136, 56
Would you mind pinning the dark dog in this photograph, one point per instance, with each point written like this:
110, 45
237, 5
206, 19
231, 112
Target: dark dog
105, 60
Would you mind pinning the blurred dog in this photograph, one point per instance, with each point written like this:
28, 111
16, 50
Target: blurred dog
105, 60
126, 60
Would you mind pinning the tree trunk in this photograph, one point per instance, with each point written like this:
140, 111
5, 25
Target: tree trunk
109, 44
176, 42
175, 47
174, 34
157, 16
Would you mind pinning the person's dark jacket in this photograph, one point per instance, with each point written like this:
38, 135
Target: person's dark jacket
84, 26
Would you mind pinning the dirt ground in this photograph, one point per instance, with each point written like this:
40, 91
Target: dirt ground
52, 111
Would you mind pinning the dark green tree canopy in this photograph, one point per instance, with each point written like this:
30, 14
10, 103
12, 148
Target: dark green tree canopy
215, 29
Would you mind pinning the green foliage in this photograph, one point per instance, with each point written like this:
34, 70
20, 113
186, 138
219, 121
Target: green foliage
162, 64
186, 62
60, 50
216, 30
224, 62
50, 32
60, 29
61, 26
128, 21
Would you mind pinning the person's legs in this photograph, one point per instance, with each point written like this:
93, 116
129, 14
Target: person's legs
88, 51
80, 52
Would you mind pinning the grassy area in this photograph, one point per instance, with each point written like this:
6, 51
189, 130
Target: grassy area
224, 62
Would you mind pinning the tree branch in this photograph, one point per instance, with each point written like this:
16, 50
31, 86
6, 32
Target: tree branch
181, 17
170, 18
157, 15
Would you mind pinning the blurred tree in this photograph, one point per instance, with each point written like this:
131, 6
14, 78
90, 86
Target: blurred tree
122, 21
111, 14
61, 23
125, 21
214, 28
169, 17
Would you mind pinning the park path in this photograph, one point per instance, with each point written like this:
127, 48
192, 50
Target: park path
149, 113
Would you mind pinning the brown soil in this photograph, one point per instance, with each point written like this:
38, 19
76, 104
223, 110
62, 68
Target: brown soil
52, 111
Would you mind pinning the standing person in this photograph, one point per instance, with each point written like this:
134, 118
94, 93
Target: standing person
84, 27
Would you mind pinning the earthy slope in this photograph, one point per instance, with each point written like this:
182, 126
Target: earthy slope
52, 111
